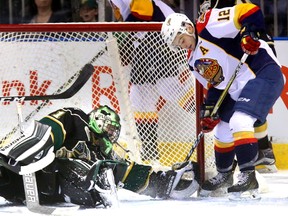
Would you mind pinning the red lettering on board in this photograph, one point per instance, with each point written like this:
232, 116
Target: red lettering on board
7, 87
34, 89
109, 91
284, 94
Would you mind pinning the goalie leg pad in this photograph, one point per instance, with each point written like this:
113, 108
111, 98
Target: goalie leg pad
33, 151
11, 186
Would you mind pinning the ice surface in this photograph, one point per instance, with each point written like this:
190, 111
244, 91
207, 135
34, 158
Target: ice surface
273, 188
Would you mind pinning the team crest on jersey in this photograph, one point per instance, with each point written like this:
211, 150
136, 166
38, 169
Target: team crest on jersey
210, 70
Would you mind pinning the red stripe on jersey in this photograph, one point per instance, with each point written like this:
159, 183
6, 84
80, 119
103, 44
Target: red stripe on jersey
202, 21
245, 141
249, 13
142, 17
223, 150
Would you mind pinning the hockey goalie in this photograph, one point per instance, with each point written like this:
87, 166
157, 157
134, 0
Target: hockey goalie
72, 156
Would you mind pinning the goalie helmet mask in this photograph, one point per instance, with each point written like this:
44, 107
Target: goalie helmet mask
105, 122
174, 25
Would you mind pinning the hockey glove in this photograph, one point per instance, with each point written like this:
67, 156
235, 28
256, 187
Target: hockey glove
206, 121
249, 41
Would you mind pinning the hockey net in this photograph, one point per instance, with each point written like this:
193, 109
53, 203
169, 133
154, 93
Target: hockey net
134, 72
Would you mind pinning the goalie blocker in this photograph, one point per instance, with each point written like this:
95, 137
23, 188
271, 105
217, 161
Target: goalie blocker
30, 152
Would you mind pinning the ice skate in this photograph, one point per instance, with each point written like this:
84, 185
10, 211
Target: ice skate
265, 157
246, 188
217, 185
266, 161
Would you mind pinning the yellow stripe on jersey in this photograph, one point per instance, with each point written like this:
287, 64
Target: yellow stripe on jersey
243, 135
242, 11
219, 144
142, 7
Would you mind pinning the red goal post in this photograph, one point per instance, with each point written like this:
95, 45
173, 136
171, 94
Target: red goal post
134, 72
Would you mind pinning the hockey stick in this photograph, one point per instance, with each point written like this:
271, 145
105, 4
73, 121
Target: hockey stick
29, 180
194, 146
224, 93
83, 77
44, 103
30, 185
218, 104
32, 199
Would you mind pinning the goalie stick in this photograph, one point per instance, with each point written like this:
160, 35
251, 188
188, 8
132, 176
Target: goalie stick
32, 199
29, 180
30, 186
44, 103
218, 104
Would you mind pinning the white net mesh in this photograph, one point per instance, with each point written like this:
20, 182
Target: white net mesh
135, 73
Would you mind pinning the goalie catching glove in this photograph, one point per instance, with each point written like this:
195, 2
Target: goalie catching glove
90, 184
206, 121
29, 153
178, 183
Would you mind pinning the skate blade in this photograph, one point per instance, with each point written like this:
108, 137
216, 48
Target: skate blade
220, 192
252, 195
204, 193
266, 168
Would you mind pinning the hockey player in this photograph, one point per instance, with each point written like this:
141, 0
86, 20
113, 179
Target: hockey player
217, 43
266, 158
151, 70
83, 145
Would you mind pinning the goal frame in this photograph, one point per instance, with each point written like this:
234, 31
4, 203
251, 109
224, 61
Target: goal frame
111, 27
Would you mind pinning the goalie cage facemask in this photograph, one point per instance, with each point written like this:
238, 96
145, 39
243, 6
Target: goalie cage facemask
105, 121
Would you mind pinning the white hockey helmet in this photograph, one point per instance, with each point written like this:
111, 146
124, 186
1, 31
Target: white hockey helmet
173, 25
